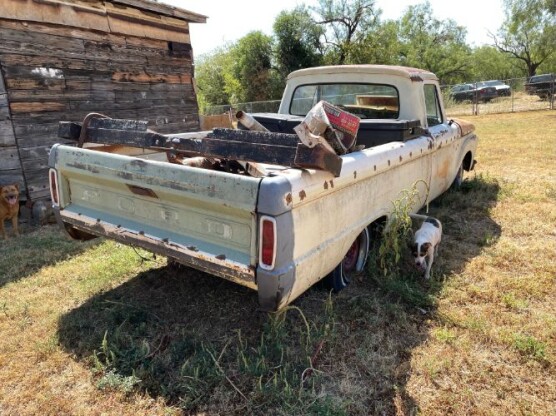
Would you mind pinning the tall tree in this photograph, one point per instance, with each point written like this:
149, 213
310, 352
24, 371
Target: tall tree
432, 44
297, 41
489, 63
252, 68
379, 46
346, 23
528, 32
213, 77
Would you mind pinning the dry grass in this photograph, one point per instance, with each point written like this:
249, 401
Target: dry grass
92, 328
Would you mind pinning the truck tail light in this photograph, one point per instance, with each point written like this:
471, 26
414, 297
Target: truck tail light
52, 176
267, 242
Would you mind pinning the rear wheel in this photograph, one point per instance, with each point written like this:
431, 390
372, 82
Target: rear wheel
352, 263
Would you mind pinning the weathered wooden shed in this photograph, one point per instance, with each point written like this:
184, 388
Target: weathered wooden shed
62, 59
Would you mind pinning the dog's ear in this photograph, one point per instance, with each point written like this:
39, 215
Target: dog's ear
426, 246
17, 186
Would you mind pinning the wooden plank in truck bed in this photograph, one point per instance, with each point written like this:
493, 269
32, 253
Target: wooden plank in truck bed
245, 145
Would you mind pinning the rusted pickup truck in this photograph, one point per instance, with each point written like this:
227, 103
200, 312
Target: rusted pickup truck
285, 227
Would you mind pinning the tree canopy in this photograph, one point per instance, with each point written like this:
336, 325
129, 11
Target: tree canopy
352, 32
432, 44
528, 33
346, 23
298, 42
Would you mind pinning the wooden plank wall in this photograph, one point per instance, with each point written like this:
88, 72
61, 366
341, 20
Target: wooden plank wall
55, 73
10, 166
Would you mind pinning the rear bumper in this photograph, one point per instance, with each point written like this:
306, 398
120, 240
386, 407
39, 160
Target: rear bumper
190, 256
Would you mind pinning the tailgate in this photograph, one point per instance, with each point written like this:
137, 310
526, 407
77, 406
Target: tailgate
202, 218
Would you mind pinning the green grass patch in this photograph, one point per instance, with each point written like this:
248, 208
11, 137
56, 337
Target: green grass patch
529, 346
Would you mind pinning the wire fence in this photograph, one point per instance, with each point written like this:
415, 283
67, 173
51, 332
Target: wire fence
512, 95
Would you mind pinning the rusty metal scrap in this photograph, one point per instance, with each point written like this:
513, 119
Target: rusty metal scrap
249, 121
207, 149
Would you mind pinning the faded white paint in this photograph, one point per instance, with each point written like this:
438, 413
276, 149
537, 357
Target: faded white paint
218, 212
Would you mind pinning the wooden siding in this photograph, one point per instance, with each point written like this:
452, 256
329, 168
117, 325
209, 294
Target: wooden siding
55, 72
10, 165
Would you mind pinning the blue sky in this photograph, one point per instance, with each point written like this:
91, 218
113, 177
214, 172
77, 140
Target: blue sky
229, 21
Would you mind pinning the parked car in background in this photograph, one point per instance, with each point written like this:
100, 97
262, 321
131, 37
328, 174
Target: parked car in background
502, 90
472, 92
541, 85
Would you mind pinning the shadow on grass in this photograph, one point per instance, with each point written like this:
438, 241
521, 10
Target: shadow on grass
22, 256
198, 342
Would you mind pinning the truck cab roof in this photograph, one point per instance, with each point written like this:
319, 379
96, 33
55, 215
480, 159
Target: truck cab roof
414, 74
403, 85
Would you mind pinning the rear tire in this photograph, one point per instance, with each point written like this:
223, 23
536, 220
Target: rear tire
352, 263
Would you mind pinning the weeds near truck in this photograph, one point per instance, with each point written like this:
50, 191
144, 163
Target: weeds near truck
90, 328
395, 238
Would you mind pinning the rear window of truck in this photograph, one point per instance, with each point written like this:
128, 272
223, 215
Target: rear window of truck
367, 101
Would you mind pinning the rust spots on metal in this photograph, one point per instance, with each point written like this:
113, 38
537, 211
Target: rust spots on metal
302, 195
325, 185
141, 164
289, 199
83, 166
354, 174
125, 175
139, 190
444, 168
221, 257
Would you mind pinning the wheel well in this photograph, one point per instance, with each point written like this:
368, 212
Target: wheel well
467, 161
376, 227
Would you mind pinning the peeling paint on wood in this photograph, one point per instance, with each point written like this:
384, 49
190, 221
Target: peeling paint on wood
63, 59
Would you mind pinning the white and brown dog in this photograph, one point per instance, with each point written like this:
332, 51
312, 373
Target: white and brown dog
425, 245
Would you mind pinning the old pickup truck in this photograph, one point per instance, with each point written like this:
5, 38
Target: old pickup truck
286, 227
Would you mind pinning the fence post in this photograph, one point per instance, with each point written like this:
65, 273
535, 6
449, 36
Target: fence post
551, 98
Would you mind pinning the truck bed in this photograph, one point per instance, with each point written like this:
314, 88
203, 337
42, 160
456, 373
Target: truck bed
372, 132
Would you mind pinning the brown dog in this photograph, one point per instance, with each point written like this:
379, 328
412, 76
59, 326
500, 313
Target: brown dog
9, 207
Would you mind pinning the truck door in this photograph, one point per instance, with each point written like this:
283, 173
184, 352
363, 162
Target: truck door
444, 163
